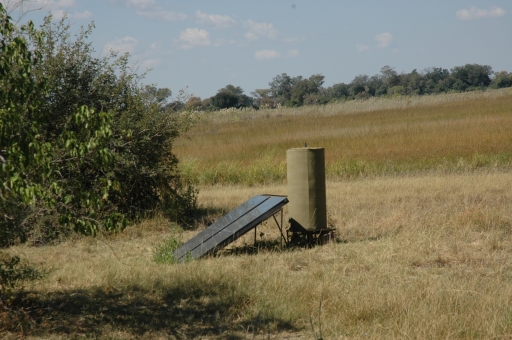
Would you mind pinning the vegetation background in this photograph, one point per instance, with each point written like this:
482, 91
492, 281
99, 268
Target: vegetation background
418, 190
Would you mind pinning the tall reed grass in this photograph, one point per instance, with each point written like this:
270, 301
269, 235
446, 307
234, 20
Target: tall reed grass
449, 133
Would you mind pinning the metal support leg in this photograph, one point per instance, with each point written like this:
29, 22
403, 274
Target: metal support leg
280, 228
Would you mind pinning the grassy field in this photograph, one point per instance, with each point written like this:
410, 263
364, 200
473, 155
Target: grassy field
424, 245
436, 134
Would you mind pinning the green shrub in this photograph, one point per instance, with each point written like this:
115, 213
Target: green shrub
83, 142
164, 253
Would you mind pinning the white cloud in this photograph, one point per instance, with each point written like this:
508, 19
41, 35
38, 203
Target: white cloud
141, 4
222, 41
54, 4
150, 63
267, 54
217, 20
475, 13
59, 14
291, 40
293, 53
162, 15
362, 48
260, 29
122, 45
80, 15
150, 9
193, 37
251, 36
156, 46
60, 8
384, 39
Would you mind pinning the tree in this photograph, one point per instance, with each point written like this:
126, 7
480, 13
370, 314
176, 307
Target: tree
338, 91
357, 89
281, 88
413, 83
389, 76
305, 87
435, 78
502, 79
292, 91
30, 172
83, 143
193, 103
471, 75
234, 90
231, 96
263, 98
224, 100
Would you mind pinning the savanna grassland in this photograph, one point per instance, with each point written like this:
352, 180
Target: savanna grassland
419, 190
442, 134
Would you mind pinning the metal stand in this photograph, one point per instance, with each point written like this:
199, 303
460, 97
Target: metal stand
300, 236
280, 227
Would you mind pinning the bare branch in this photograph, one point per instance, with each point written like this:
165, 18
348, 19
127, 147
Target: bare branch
23, 7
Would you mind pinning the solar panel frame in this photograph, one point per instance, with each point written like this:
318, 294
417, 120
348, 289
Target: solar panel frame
231, 226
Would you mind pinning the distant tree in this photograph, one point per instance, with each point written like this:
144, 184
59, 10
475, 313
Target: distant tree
315, 99
224, 100
206, 104
231, 96
338, 91
234, 90
305, 87
157, 95
193, 103
471, 75
389, 76
296, 91
502, 79
396, 90
413, 83
360, 80
436, 74
357, 89
263, 98
434, 80
281, 87
262, 93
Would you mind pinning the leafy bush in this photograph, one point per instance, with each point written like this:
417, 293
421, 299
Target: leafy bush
14, 313
164, 252
13, 271
83, 142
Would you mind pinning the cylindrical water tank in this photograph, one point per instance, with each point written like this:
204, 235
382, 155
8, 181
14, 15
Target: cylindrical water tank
306, 188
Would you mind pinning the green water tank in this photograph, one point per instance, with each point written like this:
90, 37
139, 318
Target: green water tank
306, 188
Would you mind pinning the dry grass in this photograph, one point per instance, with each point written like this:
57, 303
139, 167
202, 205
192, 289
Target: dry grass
437, 134
420, 257
424, 251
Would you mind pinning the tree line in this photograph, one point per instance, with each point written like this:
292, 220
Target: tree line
285, 90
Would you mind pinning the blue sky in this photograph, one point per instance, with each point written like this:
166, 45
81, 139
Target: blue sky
204, 45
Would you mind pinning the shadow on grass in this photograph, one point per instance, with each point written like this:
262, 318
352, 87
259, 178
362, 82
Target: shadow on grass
184, 312
204, 217
272, 245
254, 248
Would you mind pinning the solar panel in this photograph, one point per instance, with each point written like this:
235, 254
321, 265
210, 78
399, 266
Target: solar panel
230, 227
